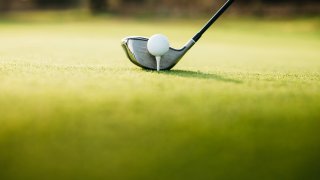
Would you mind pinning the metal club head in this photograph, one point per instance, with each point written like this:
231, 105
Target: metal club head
137, 51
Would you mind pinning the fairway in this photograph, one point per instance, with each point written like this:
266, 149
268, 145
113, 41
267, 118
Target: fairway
244, 103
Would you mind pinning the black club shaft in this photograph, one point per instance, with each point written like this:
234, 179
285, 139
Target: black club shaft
212, 20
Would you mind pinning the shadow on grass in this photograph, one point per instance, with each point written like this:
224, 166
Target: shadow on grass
198, 75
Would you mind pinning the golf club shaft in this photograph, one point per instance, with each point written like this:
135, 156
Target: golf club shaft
212, 20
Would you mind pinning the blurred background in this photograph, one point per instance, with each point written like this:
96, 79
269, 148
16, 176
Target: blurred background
165, 7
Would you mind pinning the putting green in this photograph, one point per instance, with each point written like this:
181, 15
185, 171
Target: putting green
244, 103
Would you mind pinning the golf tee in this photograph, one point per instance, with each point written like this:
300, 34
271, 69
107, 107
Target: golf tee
158, 58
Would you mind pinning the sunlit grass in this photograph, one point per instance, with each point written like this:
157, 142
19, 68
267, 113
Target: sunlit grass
243, 103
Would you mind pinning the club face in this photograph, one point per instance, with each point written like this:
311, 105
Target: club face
137, 52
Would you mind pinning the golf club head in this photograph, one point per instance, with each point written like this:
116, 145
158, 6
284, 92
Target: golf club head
137, 52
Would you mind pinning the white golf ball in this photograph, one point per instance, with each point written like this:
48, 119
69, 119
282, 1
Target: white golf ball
158, 45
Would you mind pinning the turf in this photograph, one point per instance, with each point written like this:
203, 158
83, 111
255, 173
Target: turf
244, 103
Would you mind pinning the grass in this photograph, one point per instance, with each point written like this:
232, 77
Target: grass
244, 103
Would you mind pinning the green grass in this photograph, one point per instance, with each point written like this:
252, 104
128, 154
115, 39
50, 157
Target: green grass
244, 103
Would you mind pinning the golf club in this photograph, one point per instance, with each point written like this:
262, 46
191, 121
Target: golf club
137, 51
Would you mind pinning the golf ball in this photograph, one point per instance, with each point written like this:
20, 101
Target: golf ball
158, 45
